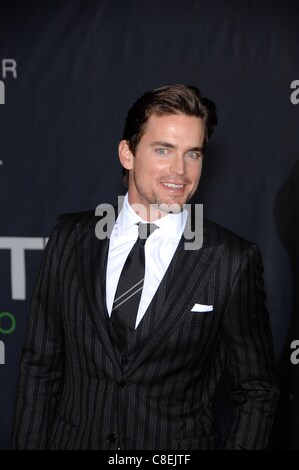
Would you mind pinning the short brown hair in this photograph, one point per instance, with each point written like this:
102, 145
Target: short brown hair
169, 99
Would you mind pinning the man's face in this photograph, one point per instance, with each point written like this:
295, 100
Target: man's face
167, 164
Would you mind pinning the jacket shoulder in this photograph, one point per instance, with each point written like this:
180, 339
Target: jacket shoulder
220, 235
67, 221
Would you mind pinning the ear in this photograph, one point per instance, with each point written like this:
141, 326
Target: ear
125, 155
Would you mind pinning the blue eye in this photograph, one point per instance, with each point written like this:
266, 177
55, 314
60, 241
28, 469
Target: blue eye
193, 155
161, 151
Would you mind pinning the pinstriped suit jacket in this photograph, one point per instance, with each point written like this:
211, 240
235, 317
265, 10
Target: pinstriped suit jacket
76, 390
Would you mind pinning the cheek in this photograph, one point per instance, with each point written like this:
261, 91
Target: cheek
195, 173
141, 164
148, 168
152, 169
199, 171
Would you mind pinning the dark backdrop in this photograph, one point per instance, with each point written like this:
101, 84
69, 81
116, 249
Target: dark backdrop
78, 66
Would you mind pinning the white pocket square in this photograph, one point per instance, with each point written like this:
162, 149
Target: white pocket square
202, 308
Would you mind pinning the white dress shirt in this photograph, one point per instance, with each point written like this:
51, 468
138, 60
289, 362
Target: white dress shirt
159, 250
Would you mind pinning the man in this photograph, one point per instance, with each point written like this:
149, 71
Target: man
105, 368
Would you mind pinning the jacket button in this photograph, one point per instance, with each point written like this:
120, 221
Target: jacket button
124, 361
121, 383
111, 437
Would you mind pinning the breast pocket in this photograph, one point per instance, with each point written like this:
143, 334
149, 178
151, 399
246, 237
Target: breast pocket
197, 318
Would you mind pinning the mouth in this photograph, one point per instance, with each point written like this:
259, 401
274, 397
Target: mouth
174, 186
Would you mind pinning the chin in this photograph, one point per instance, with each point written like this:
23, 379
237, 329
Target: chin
171, 208
174, 207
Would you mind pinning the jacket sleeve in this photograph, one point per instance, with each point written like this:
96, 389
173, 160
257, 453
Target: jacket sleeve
250, 357
41, 364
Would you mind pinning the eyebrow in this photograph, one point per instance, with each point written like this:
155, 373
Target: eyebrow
171, 146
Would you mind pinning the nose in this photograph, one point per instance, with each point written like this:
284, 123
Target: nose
178, 165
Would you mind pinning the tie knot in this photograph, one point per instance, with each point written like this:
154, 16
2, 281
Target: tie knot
145, 230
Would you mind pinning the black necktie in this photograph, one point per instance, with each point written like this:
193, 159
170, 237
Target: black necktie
129, 288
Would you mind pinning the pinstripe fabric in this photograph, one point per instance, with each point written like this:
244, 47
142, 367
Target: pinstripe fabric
76, 390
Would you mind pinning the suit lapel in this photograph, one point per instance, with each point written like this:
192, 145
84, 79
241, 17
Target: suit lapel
188, 272
91, 260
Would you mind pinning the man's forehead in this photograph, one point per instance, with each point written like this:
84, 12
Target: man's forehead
157, 120
159, 124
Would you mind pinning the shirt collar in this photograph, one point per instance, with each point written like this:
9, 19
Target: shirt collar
172, 225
